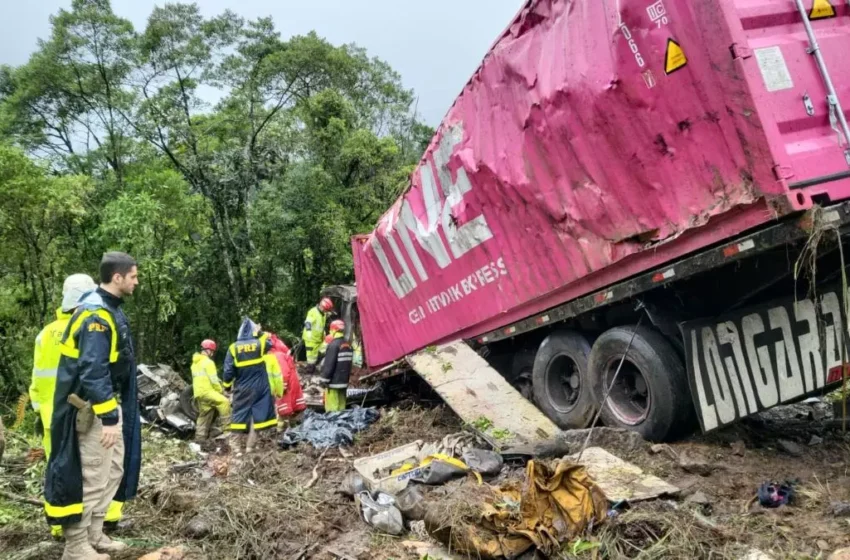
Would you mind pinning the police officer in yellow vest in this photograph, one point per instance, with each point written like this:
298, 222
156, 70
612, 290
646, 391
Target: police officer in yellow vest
256, 379
208, 392
314, 331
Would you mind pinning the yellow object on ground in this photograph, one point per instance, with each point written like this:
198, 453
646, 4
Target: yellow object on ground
335, 400
551, 508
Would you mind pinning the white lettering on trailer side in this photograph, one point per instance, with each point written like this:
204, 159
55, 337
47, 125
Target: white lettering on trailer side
438, 217
727, 333
752, 360
717, 377
707, 411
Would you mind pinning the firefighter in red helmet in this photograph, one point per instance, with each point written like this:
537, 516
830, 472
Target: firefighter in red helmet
208, 391
336, 368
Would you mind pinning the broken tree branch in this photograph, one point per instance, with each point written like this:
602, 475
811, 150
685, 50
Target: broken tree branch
20, 499
315, 476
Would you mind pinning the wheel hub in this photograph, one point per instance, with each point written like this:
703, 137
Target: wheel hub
563, 383
629, 397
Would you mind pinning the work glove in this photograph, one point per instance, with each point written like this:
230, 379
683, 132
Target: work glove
324, 382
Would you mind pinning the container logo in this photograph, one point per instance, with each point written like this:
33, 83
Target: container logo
402, 228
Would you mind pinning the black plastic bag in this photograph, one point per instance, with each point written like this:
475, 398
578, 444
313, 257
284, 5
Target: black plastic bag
331, 429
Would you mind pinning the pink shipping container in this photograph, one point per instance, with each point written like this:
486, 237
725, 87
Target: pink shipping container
597, 140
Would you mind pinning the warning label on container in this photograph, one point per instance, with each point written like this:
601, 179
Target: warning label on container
773, 68
821, 9
675, 57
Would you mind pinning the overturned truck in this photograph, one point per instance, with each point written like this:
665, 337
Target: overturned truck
635, 203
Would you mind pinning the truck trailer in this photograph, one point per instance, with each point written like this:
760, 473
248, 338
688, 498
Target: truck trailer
637, 203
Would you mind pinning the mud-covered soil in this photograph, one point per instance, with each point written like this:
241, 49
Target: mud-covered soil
270, 505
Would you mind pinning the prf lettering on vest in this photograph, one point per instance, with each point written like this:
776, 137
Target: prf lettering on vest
246, 347
406, 227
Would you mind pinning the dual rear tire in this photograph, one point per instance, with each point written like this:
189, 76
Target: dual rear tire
650, 395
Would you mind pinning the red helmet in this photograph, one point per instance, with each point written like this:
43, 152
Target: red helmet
209, 345
326, 305
338, 325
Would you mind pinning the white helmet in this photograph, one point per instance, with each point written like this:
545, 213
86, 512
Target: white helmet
75, 287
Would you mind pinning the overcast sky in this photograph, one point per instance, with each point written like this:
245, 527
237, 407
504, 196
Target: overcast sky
435, 45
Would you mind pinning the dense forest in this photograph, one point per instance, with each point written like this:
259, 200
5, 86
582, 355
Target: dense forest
233, 163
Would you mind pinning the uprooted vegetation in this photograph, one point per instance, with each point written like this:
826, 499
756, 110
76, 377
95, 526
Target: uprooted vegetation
287, 504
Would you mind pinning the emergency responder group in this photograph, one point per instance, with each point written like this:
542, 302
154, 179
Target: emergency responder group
84, 390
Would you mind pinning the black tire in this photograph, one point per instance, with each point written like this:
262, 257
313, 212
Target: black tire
188, 404
522, 368
562, 388
651, 394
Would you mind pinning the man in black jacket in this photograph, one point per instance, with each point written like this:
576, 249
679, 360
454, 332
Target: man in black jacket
336, 369
95, 429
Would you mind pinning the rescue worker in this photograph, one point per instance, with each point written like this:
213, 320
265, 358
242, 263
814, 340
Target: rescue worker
336, 369
314, 332
46, 358
256, 382
208, 392
292, 402
96, 443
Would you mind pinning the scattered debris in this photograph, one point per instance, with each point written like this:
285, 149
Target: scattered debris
694, 464
332, 429
620, 480
699, 498
756, 554
167, 553
487, 463
839, 509
738, 448
381, 512
197, 528
552, 506
773, 495
790, 447
816, 440
840, 554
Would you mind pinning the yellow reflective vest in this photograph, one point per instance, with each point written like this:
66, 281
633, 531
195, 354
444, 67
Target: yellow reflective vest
204, 376
275, 375
314, 328
46, 362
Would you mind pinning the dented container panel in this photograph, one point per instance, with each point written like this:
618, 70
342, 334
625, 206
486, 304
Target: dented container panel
596, 140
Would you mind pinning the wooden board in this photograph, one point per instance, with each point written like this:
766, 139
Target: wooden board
480, 395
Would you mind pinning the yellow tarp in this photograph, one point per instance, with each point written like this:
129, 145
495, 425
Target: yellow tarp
550, 508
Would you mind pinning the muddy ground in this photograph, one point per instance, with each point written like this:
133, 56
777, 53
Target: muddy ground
269, 505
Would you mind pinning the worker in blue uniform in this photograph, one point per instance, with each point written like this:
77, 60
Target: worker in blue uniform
95, 429
256, 382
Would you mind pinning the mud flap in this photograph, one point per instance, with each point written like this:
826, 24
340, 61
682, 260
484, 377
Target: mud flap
480, 395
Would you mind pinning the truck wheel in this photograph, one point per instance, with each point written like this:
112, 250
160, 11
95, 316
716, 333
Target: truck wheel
521, 373
188, 404
560, 378
651, 394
